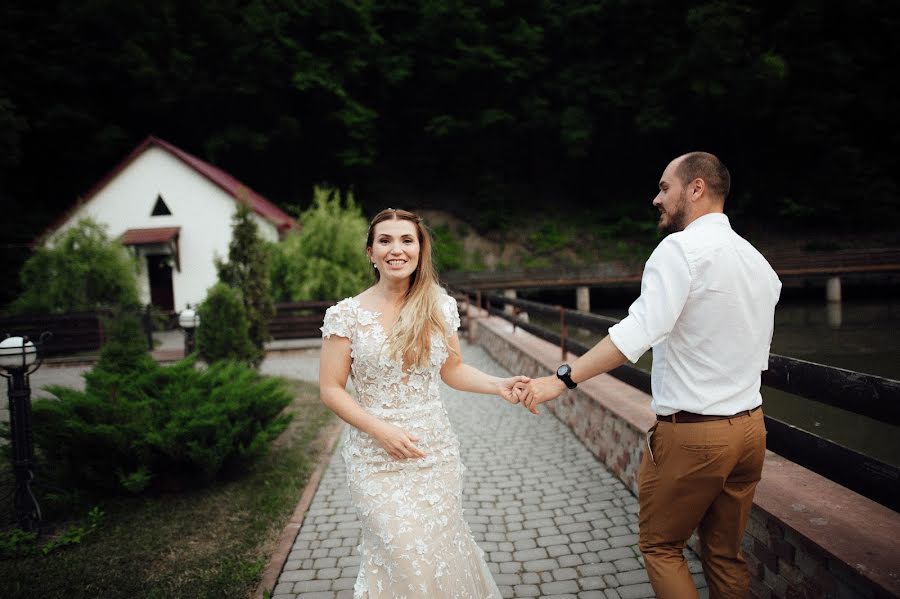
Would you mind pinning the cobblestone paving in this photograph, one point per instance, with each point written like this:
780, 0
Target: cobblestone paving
552, 521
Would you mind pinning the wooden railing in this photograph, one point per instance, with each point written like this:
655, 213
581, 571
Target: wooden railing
298, 320
859, 393
72, 333
84, 332
786, 263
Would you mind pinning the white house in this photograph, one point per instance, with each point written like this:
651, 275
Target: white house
174, 211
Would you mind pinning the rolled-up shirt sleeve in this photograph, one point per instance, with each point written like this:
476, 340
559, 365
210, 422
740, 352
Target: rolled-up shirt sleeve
665, 286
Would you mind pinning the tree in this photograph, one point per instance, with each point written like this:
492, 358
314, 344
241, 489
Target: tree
247, 271
468, 103
326, 259
81, 270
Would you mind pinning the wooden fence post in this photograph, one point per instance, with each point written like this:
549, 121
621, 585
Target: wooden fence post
148, 326
563, 332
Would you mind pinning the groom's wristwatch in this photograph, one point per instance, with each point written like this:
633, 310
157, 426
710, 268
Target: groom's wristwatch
564, 373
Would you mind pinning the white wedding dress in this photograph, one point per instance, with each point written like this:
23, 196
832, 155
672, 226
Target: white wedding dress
415, 543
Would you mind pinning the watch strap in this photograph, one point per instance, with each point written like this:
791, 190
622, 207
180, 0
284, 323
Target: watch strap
567, 378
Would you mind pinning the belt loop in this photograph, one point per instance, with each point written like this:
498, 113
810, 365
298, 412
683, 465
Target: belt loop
673, 418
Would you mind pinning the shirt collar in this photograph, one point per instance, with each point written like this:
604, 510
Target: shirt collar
713, 218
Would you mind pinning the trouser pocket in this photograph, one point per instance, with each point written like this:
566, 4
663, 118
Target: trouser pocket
649, 436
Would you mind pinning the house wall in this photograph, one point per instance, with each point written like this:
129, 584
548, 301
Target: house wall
202, 209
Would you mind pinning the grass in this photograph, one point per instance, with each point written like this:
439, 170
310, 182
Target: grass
213, 542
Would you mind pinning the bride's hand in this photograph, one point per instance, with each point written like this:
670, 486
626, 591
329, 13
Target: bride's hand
397, 442
512, 388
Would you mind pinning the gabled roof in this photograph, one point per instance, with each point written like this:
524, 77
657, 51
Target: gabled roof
240, 192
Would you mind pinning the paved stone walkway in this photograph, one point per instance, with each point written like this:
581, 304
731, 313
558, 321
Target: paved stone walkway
552, 521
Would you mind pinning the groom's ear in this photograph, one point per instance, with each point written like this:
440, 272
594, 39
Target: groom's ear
696, 189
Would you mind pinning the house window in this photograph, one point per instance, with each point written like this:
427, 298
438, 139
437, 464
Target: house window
160, 208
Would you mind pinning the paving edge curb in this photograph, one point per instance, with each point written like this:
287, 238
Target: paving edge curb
292, 528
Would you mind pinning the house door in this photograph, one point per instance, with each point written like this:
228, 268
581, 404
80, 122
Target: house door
160, 270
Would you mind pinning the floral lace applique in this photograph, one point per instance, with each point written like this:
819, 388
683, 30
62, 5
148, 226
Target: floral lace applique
415, 542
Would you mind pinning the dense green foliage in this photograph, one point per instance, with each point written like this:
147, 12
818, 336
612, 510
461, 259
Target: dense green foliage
484, 108
126, 346
138, 422
223, 333
326, 259
449, 253
247, 271
82, 270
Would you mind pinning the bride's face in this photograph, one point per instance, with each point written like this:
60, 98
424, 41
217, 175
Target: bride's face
395, 249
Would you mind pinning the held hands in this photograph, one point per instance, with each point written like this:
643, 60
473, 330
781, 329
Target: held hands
513, 388
397, 442
540, 390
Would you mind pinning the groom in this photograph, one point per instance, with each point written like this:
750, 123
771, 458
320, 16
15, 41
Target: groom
706, 307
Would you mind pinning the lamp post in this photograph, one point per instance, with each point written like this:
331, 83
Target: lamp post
188, 320
20, 358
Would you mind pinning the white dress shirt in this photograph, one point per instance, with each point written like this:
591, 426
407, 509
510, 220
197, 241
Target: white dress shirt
707, 308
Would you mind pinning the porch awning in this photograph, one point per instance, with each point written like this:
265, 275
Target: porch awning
158, 236
150, 236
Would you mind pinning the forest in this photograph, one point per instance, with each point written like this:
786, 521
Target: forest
487, 109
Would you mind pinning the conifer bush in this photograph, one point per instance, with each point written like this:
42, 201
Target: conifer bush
126, 344
223, 333
138, 423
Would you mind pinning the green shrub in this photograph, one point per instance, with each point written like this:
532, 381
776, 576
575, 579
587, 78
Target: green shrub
223, 333
125, 348
173, 424
81, 270
326, 259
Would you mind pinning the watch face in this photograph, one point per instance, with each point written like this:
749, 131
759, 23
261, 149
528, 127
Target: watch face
563, 370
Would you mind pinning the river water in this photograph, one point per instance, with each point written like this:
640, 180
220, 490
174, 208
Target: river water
862, 335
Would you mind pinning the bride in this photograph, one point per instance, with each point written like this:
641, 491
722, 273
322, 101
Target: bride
397, 340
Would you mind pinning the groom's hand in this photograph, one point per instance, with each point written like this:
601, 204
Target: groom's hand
540, 390
512, 388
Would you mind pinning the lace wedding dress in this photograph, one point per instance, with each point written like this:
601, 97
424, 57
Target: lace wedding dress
415, 543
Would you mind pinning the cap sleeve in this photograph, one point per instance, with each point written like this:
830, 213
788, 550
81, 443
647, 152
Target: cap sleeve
451, 315
339, 320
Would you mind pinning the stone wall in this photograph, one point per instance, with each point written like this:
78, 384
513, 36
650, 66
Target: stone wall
807, 537
784, 563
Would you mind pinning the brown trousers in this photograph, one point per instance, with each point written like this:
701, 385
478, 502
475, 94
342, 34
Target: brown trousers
699, 476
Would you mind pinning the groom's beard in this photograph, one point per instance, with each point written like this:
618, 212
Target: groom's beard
672, 222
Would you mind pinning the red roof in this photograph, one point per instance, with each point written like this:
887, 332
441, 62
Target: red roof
240, 192
147, 236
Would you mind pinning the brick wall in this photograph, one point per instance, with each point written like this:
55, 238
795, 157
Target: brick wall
785, 564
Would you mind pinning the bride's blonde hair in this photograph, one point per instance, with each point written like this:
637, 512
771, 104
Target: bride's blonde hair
420, 317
